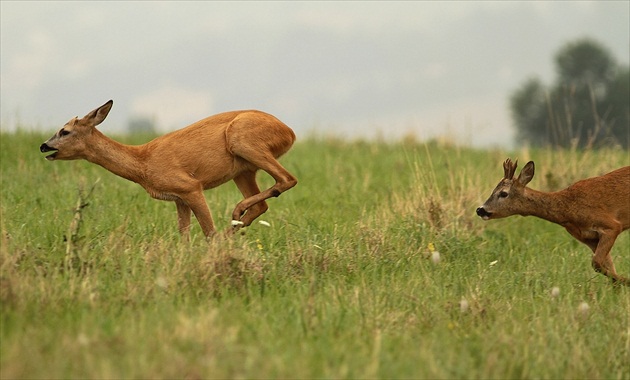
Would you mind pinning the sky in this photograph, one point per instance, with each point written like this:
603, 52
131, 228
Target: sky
346, 69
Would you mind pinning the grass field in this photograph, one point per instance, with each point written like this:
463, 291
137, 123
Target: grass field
344, 284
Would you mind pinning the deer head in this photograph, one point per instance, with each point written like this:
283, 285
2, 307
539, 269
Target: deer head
72, 141
507, 198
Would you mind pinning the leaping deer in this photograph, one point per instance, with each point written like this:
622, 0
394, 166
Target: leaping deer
180, 165
594, 211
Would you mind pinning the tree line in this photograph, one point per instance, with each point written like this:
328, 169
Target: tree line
587, 106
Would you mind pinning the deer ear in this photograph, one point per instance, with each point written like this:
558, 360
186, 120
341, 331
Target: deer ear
526, 174
97, 116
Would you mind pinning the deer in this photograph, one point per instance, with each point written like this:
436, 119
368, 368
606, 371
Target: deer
594, 210
180, 165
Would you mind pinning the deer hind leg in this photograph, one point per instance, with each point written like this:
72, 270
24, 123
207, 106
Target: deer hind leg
246, 183
266, 162
602, 260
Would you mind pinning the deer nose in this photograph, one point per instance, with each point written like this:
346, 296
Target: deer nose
482, 212
45, 148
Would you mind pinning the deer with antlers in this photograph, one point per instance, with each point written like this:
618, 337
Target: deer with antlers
180, 165
594, 211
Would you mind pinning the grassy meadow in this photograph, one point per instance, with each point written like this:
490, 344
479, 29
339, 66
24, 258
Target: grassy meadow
345, 283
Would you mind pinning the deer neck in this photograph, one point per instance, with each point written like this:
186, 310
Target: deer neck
549, 206
123, 160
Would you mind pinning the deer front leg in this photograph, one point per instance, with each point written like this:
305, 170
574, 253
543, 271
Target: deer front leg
183, 218
197, 203
602, 260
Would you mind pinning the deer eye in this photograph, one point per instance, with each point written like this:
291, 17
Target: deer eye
63, 132
503, 194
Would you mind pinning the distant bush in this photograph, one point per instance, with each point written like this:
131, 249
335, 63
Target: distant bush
588, 106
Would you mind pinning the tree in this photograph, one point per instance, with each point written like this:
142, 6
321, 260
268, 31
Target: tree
589, 105
618, 99
529, 111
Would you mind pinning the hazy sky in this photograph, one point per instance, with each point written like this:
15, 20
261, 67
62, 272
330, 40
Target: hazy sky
353, 69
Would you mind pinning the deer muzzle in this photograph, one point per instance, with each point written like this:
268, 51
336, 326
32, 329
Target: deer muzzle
485, 215
45, 148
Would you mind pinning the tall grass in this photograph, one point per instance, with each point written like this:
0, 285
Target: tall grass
344, 284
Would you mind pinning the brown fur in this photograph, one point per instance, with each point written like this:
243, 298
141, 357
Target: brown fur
594, 210
180, 165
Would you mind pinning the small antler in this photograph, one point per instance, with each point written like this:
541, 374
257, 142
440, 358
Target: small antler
509, 168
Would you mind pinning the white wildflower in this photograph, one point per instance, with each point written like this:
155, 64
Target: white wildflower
83, 340
463, 305
237, 223
435, 257
264, 223
583, 309
555, 292
494, 262
161, 283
